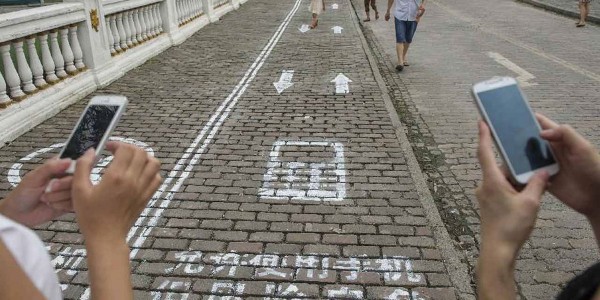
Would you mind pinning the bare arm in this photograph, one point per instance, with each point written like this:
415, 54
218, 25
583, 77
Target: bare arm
390, 4
105, 213
14, 283
495, 269
109, 269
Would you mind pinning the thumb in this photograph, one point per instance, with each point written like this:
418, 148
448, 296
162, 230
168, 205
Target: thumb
537, 185
83, 169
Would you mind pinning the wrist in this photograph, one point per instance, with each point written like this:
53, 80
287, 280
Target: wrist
100, 243
495, 271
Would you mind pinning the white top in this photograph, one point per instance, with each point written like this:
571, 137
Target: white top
406, 10
31, 255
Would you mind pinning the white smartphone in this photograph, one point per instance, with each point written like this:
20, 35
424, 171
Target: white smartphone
514, 128
94, 127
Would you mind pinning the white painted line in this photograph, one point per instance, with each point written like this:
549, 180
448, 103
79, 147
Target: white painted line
337, 29
285, 81
304, 28
524, 76
342, 84
14, 173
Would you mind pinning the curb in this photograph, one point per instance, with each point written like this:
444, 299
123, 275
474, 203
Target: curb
457, 269
562, 11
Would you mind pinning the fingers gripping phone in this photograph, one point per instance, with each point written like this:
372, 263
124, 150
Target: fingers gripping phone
94, 127
516, 132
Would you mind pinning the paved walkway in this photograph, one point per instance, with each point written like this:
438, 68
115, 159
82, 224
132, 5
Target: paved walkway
454, 47
568, 8
306, 194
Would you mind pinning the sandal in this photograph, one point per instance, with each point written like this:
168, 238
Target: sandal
406, 64
580, 25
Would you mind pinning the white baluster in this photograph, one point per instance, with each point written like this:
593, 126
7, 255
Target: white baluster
127, 30
179, 12
158, 18
23, 68
197, 8
36, 65
152, 21
184, 11
4, 99
65, 47
12, 78
77, 53
142, 18
111, 39
122, 35
115, 32
138, 26
132, 27
47, 60
149, 24
59, 61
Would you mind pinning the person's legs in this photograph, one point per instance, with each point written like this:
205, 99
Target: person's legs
404, 51
368, 18
411, 27
315, 20
374, 6
400, 41
587, 9
582, 13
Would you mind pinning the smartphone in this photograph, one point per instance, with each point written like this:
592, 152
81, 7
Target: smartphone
515, 129
94, 127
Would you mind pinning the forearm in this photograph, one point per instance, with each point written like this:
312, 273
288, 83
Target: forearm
495, 273
109, 270
390, 4
423, 3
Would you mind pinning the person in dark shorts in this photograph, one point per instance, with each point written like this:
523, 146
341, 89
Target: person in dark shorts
508, 213
584, 11
374, 6
407, 14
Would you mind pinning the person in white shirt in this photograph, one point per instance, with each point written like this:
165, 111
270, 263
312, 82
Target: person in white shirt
407, 14
105, 212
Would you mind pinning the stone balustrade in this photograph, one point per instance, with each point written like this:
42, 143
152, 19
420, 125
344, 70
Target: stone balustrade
54, 55
188, 10
34, 57
132, 27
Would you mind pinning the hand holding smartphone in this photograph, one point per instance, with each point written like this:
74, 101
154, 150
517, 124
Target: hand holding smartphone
516, 132
94, 127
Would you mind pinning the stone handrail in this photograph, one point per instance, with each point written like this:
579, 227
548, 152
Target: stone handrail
36, 54
55, 55
131, 27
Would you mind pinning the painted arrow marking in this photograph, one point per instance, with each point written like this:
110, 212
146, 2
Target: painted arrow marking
337, 29
334, 6
523, 77
285, 81
342, 84
304, 28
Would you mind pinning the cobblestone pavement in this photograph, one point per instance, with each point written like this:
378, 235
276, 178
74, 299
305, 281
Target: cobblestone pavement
450, 52
306, 194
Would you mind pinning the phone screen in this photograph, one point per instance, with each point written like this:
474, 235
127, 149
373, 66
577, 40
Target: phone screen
516, 129
90, 130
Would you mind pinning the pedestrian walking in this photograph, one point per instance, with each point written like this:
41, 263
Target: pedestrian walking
584, 11
407, 14
316, 7
374, 6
